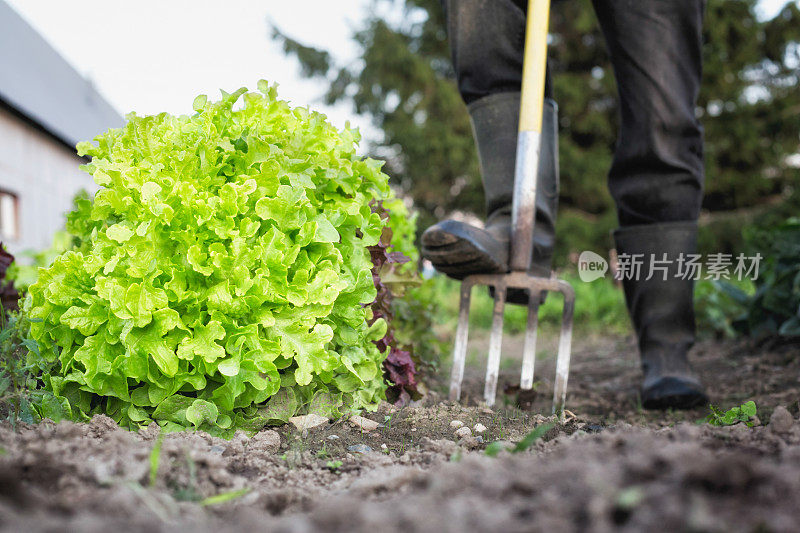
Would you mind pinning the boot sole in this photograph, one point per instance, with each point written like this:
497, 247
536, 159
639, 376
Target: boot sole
673, 393
457, 257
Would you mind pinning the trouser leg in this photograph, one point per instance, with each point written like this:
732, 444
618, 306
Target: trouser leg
656, 180
656, 51
487, 39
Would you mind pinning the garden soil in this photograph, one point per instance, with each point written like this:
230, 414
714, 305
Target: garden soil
608, 466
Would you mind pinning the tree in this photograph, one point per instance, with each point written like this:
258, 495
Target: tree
749, 105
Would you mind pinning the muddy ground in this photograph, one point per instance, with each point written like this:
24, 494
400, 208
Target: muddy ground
610, 466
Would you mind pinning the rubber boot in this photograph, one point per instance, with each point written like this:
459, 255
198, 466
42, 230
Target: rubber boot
662, 311
459, 249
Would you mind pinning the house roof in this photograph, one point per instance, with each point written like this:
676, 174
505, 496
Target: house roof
36, 82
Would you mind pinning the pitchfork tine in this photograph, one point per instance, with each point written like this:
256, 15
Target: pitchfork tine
460, 349
495, 344
564, 349
529, 348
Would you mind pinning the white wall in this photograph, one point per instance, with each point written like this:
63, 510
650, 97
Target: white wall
44, 175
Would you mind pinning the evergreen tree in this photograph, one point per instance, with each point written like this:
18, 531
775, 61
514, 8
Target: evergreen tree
749, 106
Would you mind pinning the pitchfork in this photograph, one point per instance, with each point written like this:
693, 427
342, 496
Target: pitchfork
523, 217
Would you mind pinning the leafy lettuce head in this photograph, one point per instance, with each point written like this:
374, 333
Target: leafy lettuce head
222, 265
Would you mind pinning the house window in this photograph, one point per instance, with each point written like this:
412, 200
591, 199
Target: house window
9, 229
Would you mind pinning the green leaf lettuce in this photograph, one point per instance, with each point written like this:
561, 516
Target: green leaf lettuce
222, 262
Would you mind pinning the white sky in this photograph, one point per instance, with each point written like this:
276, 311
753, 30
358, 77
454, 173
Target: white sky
150, 56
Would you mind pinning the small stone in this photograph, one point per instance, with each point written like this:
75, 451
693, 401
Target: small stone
471, 443
333, 437
306, 422
463, 432
479, 428
455, 424
359, 448
216, 449
384, 447
781, 420
364, 424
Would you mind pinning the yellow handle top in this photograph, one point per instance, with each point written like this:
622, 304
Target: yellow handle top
534, 66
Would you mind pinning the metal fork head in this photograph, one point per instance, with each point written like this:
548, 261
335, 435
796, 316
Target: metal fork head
535, 286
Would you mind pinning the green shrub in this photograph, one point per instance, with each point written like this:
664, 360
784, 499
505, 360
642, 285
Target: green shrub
774, 309
719, 306
223, 263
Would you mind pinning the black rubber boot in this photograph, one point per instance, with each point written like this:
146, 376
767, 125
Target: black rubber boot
662, 311
459, 249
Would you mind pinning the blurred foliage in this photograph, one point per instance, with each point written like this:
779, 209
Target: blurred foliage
719, 306
774, 308
26, 274
404, 82
599, 308
415, 303
415, 314
22, 399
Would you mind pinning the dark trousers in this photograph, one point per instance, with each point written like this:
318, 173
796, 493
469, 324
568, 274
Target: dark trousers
655, 48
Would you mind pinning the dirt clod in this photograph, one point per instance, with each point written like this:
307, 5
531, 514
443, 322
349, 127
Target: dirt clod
781, 420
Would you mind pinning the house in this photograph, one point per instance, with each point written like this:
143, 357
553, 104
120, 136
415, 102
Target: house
46, 108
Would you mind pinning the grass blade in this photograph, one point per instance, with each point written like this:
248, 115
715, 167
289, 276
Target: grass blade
224, 497
155, 457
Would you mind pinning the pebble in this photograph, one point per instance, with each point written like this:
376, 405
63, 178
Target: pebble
384, 447
359, 448
463, 432
455, 424
471, 443
307, 422
781, 420
333, 437
364, 424
479, 428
